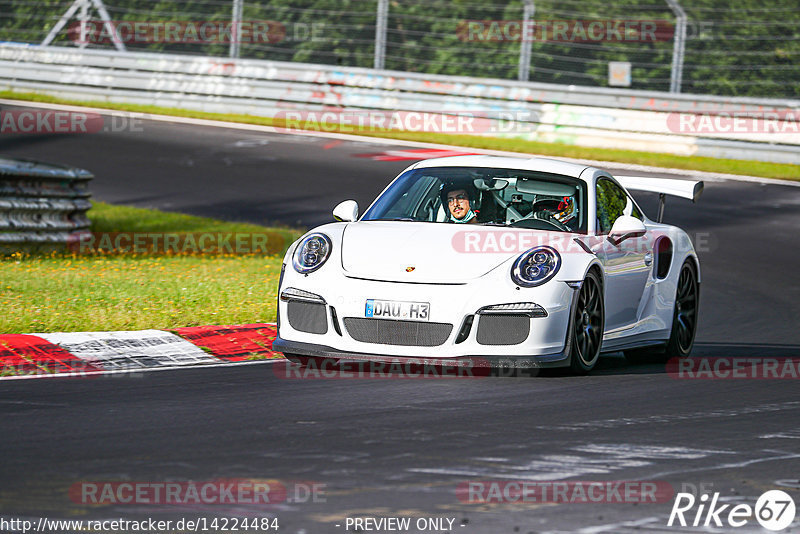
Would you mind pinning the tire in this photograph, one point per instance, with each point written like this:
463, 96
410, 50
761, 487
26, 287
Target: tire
684, 322
587, 325
684, 318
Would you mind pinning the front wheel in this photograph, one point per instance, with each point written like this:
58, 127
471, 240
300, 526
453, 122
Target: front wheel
588, 321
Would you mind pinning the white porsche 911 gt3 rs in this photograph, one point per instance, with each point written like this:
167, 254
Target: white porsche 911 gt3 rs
522, 262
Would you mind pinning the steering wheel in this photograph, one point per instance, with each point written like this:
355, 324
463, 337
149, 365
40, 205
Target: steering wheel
546, 217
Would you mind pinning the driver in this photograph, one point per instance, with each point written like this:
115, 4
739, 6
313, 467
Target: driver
458, 200
562, 209
567, 210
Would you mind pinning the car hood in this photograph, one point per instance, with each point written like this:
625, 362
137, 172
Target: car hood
405, 251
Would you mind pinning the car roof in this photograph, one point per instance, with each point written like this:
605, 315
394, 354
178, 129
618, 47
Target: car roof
553, 166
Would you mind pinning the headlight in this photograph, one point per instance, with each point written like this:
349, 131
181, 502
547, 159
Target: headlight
535, 267
311, 253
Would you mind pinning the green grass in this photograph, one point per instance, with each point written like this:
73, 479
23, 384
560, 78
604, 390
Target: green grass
61, 292
730, 166
111, 218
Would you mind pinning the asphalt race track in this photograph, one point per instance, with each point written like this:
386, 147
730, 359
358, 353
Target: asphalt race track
390, 448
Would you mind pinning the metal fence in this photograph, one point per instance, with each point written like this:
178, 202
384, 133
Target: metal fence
297, 93
42, 206
745, 48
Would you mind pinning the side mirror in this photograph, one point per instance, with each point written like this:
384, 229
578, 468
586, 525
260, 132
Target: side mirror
346, 211
624, 227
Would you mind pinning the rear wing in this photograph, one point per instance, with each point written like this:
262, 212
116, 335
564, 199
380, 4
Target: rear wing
689, 189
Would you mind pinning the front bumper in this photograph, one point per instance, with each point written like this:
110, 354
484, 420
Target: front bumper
329, 337
558, 359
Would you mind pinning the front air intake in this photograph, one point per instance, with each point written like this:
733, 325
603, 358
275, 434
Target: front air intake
503, 329
389, 332
307, 317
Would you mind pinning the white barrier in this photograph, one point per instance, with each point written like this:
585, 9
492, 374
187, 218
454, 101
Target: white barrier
595, 117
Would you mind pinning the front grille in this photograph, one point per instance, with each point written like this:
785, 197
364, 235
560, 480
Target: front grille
503, 329
307, 317
389, 332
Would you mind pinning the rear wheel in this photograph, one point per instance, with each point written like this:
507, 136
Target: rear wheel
588, 321
684, 322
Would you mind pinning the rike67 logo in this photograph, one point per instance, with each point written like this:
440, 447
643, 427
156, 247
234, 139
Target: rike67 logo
774, 510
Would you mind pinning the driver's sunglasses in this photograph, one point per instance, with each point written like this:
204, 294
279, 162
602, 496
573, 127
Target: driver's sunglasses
459, 198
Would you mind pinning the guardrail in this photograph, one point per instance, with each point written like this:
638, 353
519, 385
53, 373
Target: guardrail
42, 206
597, 117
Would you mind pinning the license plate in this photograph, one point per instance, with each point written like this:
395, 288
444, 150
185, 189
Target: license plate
392, 309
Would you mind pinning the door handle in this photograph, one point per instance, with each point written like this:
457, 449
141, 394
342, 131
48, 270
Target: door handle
648, 259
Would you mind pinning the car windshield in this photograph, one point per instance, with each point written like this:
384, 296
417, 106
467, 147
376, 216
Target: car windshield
507, 197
